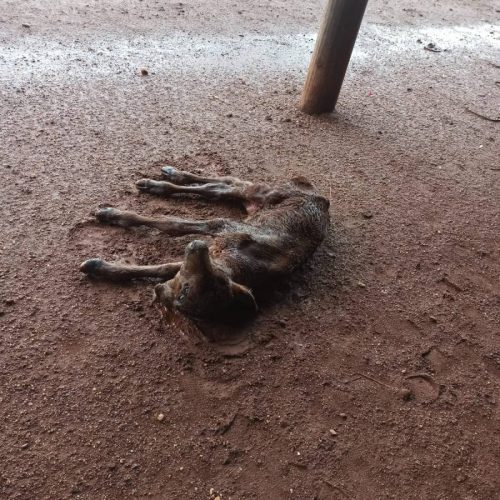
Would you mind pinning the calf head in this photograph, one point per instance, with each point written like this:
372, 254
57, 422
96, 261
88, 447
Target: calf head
203, 290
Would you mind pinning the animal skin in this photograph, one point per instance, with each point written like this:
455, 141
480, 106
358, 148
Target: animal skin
283, 228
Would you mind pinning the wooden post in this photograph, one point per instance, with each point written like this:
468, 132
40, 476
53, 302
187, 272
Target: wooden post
331, 56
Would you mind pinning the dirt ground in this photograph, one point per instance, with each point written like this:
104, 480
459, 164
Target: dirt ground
309, 401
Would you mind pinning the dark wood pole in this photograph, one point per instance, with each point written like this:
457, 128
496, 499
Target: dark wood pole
331, 56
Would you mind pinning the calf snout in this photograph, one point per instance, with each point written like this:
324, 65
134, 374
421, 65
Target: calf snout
197, 258
196, 246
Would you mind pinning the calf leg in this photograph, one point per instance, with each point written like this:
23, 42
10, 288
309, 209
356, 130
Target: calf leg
98, 268
211, 190
181, 177
170, 225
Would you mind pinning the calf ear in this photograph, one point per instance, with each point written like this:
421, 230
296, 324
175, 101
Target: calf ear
243, 299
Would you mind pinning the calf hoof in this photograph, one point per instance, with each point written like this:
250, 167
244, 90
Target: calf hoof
172, 174
92, 267
107, 215
144, 185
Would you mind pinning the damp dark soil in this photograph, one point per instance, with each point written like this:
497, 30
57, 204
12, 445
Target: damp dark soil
372, 373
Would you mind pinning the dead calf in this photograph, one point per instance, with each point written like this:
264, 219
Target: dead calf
283, 228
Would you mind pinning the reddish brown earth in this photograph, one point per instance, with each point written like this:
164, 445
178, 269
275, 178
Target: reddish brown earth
389, 336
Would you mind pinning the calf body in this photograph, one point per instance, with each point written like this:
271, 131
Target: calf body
283, 228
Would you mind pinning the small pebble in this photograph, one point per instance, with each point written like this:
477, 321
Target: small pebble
160, 417
333, 432
144, 72
343, 415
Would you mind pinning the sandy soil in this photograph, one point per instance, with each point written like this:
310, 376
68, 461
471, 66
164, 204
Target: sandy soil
404, 293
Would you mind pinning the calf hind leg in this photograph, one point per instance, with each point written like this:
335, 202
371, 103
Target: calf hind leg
181, 177
211, 190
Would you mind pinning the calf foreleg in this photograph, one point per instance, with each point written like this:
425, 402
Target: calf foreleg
98, 268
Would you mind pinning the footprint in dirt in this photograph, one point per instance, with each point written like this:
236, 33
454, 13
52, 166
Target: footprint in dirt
437, 360
226, 339
423, 387
492, 363
92, 236
131, 246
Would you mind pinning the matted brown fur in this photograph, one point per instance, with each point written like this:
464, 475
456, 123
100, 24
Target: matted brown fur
284, 226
